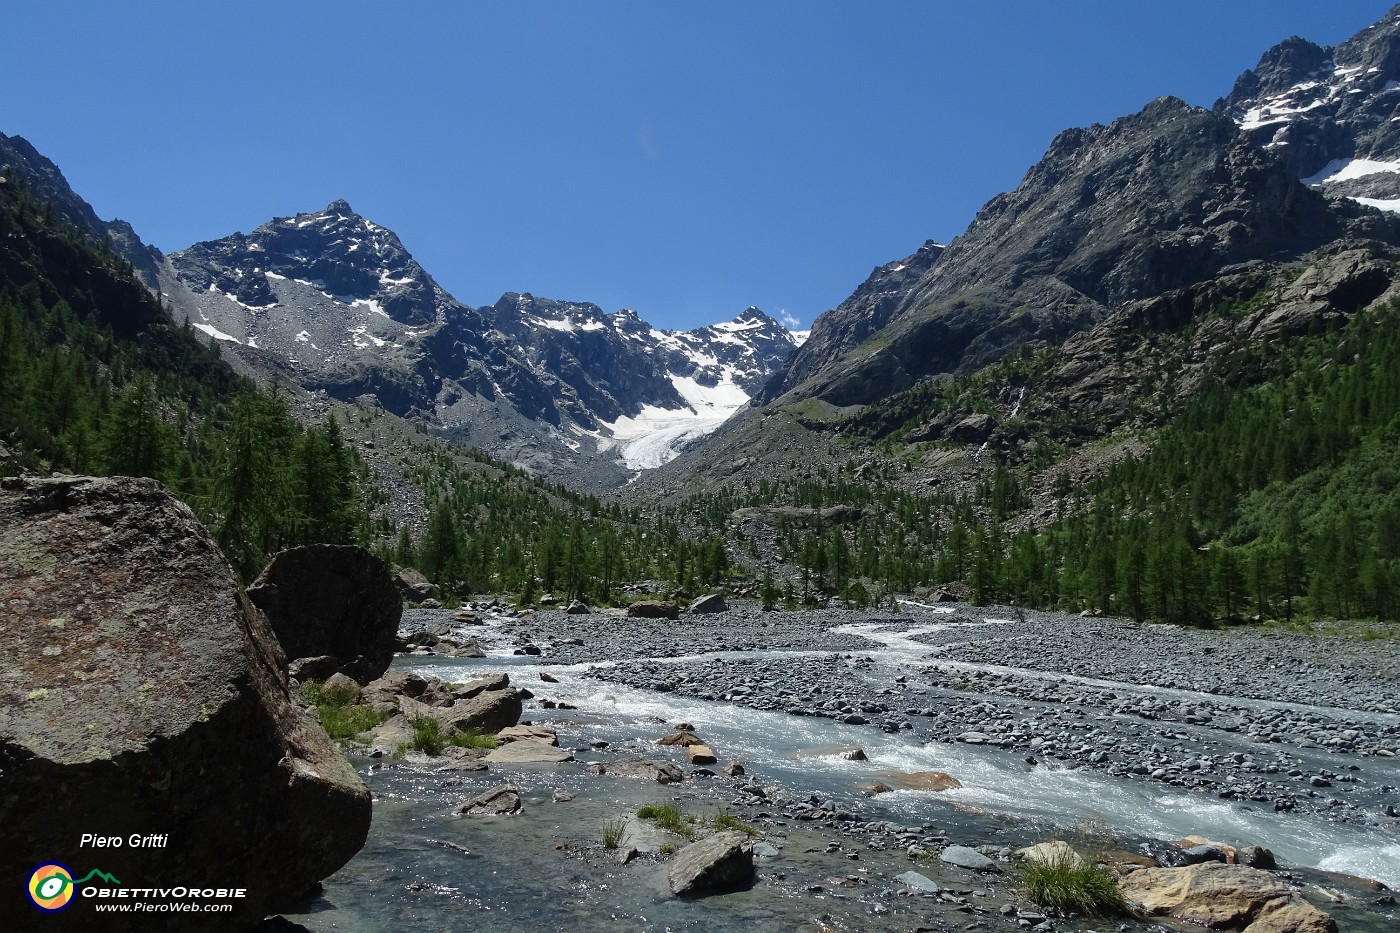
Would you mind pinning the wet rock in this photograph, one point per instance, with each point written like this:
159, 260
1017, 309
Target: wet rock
714, 865
481, 685
184, 718
488, 711
578, 608
502, 800
389, 736
538, 734
700, 755
917, 882
920, 780
964, 857
734, 769
1257, 857
680, 739
527, 752
662, 772
336, 600
1224, 896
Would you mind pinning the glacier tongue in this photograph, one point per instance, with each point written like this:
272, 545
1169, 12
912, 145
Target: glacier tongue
656, 435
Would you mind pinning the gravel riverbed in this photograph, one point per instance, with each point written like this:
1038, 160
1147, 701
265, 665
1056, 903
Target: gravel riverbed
1293, 728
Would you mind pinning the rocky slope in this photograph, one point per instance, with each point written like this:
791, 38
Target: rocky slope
334, 302
1161, 199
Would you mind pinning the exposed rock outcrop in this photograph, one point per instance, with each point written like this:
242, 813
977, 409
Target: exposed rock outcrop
142, 693
337, 600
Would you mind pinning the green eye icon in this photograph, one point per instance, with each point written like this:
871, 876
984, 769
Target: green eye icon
53, 886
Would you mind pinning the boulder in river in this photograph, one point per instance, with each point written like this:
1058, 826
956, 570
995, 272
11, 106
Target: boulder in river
502, 800
1220, 896
336, 600
714, 865
142, 694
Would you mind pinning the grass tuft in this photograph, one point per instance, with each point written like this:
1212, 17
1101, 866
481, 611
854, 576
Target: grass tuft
613, 832
1069, 888
668, 816
723, 821
427, 735
473, 738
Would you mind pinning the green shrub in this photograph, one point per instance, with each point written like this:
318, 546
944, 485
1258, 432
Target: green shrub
1070, 886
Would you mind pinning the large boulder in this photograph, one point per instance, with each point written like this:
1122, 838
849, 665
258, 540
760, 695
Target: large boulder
713, 602
141, 694
653, 609
1219, 896
414, 586
338, 600
714, 865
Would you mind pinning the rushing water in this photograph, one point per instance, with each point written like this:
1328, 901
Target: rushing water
799, 753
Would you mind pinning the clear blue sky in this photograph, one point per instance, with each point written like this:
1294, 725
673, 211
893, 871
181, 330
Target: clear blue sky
685, 160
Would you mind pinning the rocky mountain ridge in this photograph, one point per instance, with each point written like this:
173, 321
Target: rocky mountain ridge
334, 302
1329, 113
20, 160
1157, 200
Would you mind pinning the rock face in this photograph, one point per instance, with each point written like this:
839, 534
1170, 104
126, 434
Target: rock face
19, 159
332, 600
722, 862
1225, 897
142, 693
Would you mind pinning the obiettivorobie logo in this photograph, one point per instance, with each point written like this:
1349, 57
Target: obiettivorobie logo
52, 886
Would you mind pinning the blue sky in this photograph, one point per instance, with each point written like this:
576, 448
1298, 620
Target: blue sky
685, 160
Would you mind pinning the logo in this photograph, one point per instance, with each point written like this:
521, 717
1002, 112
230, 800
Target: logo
51, 886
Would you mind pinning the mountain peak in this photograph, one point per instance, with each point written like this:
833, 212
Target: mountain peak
336, 251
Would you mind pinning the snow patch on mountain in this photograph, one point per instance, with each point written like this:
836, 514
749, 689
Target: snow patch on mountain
1347, 169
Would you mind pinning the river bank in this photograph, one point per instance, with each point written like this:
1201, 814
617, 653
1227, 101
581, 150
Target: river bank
1057, 727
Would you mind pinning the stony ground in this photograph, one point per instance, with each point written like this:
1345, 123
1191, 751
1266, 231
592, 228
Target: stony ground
1288, 721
